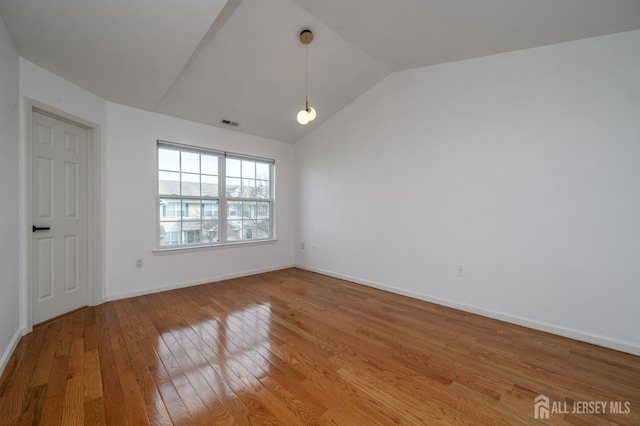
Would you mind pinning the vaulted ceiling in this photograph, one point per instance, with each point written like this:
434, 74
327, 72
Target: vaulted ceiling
241, 60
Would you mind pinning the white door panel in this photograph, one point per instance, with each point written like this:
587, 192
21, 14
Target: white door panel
59, 202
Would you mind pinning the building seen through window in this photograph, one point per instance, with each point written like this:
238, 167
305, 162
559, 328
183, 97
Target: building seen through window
195, 185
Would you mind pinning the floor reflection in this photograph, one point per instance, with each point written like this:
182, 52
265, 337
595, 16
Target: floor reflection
213, 360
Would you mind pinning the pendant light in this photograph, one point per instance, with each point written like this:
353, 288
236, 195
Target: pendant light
307, 114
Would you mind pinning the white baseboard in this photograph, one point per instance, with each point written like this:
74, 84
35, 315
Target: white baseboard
200, 281
604, 341
9, 351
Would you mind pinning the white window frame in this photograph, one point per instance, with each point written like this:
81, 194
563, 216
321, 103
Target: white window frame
221, 197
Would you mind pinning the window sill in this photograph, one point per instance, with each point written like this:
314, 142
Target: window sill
235, 244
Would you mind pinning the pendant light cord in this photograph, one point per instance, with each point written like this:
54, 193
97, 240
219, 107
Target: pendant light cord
307, 114
306, 76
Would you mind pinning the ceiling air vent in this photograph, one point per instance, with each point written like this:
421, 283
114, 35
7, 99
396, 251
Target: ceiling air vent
229, 122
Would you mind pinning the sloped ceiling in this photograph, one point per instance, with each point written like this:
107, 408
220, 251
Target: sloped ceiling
241, 60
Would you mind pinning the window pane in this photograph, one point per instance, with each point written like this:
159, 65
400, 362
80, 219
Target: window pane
248, 210
173, 238
234, 210
262, 171
210, 232
248, 188
168, 159
262, 189
248, 169
261, 229
190, 162
169, 234
191, 232
170, 209
191, 210
255, 229
248, 228
210, 222
169, 183
209, 164
233, 188
210, 210
262, 211
233, 168
190, 184
209, 186
234, 230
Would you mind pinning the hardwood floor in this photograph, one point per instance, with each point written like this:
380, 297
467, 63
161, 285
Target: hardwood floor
293, 347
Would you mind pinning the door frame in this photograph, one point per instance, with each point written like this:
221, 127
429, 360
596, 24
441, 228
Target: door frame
94, 208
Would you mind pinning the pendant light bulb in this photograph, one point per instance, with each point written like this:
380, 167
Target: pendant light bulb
312, 113
303, 117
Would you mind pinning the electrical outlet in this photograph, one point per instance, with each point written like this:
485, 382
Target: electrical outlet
138, 263
460, 270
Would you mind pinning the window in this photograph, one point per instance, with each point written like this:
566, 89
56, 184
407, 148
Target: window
248, 190
195, 185
174, 210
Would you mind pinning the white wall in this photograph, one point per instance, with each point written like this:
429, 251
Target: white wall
45, 87
131, 200
128, 139
9, 194
524, 167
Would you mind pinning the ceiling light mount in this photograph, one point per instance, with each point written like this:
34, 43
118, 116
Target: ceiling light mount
306, 37
307, 114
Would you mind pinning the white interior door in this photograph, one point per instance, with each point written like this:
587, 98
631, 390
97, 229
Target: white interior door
59, 259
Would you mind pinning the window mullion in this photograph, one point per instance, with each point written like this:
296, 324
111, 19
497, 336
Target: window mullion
261, 200
188, 197
222, 193
271, 201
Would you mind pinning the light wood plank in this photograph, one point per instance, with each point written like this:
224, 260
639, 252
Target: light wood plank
294, 347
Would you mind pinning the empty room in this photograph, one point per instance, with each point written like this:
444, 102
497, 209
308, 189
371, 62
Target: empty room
297, 212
